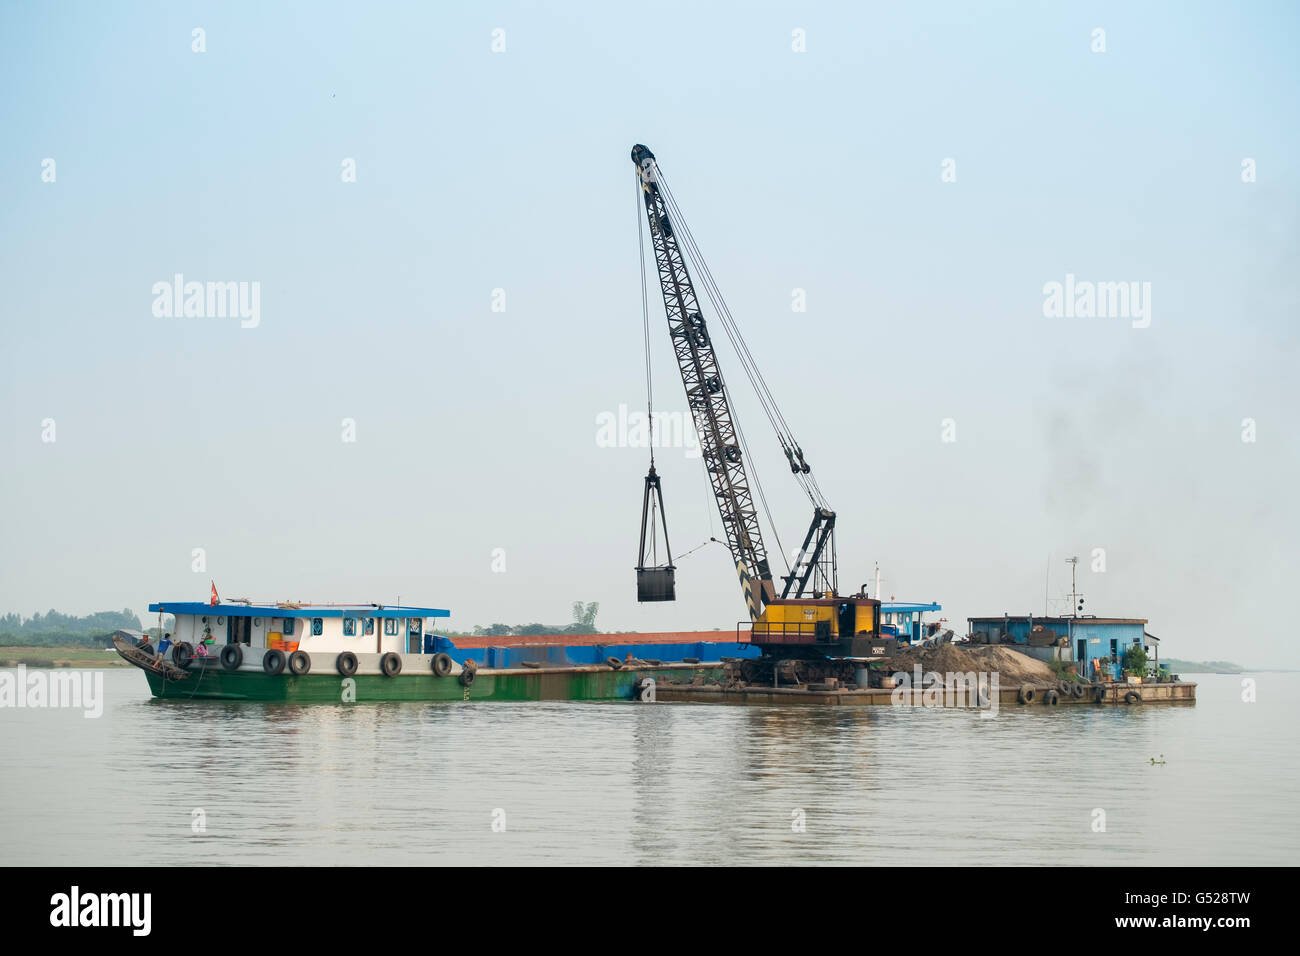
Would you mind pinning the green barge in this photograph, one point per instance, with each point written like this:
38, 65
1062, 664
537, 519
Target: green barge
325, 653
630, 681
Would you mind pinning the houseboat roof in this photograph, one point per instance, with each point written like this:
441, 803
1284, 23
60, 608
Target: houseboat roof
909, 606
296, 609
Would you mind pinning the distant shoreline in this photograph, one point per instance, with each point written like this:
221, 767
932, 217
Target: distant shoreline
12, 655
1219, 667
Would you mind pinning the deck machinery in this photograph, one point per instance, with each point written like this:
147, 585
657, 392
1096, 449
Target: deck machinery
810, 625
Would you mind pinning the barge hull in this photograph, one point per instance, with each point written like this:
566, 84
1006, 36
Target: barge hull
1181, 692
522, 684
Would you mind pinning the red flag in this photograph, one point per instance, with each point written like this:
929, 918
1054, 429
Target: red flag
214, 600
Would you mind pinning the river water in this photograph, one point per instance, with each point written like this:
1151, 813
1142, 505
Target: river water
173, 782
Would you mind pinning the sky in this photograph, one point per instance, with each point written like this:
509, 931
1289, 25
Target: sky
437, 206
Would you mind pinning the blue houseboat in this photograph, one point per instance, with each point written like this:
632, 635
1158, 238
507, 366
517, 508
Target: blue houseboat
1086, 641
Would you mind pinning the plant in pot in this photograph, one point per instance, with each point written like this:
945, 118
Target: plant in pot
1135, 661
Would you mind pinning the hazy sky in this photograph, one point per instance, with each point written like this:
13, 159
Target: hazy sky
821, 170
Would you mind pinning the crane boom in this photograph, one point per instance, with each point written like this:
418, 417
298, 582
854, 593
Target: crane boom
720, 445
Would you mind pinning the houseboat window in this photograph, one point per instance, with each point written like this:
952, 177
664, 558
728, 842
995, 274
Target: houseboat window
316, 627
349, 627
288, 627
413, 628
390, 625
370, 625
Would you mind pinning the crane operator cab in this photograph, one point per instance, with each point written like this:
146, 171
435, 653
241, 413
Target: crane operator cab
829, 625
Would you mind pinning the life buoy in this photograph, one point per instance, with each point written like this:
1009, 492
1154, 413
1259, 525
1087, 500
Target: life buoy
273, 661
1026, 694
299, 662
1132, 697
346, 663
614, 662
182, 654
1052, 697
441, 664
232, 655
390, 664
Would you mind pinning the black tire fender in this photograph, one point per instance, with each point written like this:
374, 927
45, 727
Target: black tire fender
1099, 693
1026, 694
1052, 697
1132, 697
614, 662
441, 664
346, 663
182, 654
390, 664
232, 655
273, 661
1076, 690
467, 676
299, 663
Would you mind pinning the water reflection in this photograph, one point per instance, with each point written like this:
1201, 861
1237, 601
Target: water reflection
655, 784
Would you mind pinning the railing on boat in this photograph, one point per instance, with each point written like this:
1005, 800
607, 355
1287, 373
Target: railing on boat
796, 632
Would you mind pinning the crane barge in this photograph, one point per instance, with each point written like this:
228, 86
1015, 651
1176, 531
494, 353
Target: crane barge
810, 628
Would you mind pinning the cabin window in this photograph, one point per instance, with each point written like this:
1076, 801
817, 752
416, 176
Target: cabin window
390, 626
316, 627
349, 627
288, 627
370, 625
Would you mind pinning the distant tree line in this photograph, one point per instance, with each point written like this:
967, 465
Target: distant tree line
53, 629
584, 622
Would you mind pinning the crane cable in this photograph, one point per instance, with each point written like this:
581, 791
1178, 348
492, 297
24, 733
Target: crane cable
715, 297
775, 417
645, 323
649, 385
740, 437
782, 428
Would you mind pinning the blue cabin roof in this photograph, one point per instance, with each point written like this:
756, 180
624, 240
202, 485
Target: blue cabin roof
896, 606
303, 610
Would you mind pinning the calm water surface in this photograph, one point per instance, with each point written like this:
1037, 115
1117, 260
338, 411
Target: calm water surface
660, 784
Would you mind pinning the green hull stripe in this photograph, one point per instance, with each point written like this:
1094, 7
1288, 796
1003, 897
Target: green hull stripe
594, 684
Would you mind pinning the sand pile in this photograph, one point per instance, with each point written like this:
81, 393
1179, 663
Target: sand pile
1012, 667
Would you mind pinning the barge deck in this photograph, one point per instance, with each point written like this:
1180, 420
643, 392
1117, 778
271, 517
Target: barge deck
1169, 693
